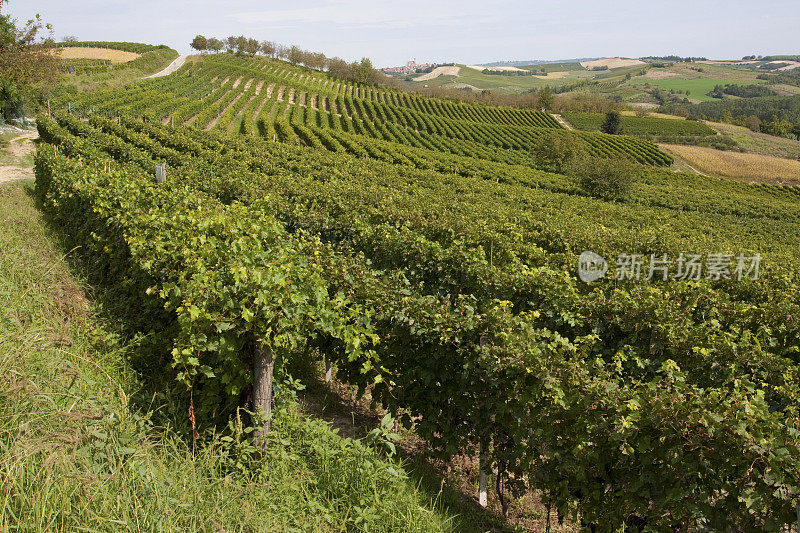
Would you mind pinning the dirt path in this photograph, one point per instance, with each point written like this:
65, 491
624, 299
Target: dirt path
16, 161
172, 67
563, 122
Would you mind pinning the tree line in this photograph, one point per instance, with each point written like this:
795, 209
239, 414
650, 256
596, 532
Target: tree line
357, 71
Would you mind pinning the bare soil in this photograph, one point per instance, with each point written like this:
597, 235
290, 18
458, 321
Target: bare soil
15, 160
439, 71
115, 56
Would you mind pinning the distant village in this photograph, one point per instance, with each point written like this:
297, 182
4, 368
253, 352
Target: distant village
410, 67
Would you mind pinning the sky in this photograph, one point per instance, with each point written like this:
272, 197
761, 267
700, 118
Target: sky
467, 31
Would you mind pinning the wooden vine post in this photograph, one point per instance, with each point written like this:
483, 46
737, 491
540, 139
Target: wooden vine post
161, 173
263, 366
483, 496
483, 460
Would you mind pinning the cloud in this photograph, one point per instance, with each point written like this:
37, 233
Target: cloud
380, 14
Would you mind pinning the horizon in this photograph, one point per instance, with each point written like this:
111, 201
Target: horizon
465, 33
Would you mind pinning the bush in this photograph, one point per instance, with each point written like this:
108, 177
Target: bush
554, 151
612, 124
608, 179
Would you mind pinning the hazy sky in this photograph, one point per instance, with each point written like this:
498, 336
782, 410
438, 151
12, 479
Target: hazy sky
468, 31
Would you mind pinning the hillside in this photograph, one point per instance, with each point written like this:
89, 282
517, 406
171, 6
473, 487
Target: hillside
427, 249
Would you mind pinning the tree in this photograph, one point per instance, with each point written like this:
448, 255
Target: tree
545, 97
27, 63
294, 55
753, 123
240, 45
215, 45
612, 124
251, 46
338, 68
69, 39
608, 179
555, 151
282, 52
363, 71
230, 44
200, 43
268, 48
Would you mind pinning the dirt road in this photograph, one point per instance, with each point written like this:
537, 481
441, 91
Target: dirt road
16, 161
172, 67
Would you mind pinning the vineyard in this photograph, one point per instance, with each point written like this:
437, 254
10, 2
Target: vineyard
294, 105
412, 242
641, 126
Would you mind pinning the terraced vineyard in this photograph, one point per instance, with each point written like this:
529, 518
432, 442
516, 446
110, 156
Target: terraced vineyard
411, 242
293, 105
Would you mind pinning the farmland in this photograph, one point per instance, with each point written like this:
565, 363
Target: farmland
754, 168
261, 288
429, 257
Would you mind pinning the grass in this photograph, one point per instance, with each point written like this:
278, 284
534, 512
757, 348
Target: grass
509, 84
741, 166
89, 443
697, 87
760, 143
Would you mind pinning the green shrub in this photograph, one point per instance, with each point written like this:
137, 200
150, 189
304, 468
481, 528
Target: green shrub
609, 179
554, 151
612, 124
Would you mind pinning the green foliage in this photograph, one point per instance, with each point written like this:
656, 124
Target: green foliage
137, 48
612, 124
27, 64
555, 151
742, 91
611, 384
608, 179
641, 126
85, 441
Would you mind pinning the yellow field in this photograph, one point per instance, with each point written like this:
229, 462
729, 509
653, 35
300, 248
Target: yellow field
651, 114
754, 168
115, 56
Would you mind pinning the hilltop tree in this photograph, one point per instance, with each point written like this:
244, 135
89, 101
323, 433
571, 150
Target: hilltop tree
338, 68
69, 39
251, 46
295, 55
215, 45
612, 124
27, 63
282, 52
230, 44
268, 48
200, 43
363, 71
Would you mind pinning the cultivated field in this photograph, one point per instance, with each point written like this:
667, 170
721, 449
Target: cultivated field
611, 63
110, 54
752, 168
